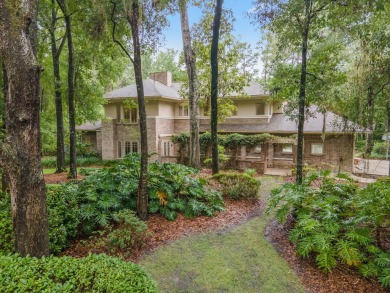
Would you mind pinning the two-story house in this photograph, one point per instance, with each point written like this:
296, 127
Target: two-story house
168, 114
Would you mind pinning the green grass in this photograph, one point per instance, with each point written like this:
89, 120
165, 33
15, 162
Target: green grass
53, 170
237, 260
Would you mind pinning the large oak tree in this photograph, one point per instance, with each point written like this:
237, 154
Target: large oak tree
20, 150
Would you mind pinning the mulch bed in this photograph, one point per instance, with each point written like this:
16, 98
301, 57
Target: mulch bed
164, 231
342, 279
57, 178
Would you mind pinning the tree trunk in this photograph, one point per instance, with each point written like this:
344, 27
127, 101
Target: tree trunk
56, 52
370, 122
193, 97
4, 183
20, 153
71, 109
302, 97
142, 196
214, 86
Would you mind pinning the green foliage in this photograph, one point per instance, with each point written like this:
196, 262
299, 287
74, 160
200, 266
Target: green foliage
51, 162
176, 188
6, 232
63, 214
337, 222
95, 273
130, 231
64, 217
238, 185
380, 148
172, 188
228, 141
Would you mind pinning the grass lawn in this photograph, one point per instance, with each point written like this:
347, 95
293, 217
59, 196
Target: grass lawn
236, 260
53, 170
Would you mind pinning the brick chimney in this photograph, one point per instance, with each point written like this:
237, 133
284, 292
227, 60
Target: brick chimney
164, 77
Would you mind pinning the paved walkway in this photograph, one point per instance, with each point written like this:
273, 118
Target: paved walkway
372, 167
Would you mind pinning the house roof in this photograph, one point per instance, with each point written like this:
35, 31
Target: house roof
90, 126
153, 89
280, 123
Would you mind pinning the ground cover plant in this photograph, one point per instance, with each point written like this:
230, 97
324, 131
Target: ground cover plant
337, 222
95, 273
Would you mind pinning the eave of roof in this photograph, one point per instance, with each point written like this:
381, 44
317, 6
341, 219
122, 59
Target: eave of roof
90, 126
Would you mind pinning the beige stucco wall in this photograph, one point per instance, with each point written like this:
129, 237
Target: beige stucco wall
166, 109
110, 111
108, 134
248, 107
151, 108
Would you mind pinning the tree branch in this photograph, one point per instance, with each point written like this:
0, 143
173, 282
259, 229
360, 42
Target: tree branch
61, 45
114, 39
315, 76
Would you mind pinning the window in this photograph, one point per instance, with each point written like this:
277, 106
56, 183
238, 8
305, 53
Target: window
317, 149
130, 115
260, 108
183, 110
257, 149
134, 115
134, 146
127, 147
119, 149
287, 149
167, 148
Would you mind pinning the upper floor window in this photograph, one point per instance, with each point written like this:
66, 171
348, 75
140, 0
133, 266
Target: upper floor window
260, 108
183, 110
130, 115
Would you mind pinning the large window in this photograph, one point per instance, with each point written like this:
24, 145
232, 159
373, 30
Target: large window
260, 108
183, 110
127, 147
317, 148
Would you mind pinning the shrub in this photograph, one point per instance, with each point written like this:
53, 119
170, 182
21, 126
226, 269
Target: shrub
175, 188
380, 148
64, 216
337, 222
130, 232
238, 185
51, 162
6, 232
63, 220
95, 273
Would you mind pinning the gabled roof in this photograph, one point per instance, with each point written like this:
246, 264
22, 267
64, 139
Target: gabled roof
152, 89
156, 89
90, 126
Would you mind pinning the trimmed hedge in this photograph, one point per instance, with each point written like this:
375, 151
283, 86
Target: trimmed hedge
95, 273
